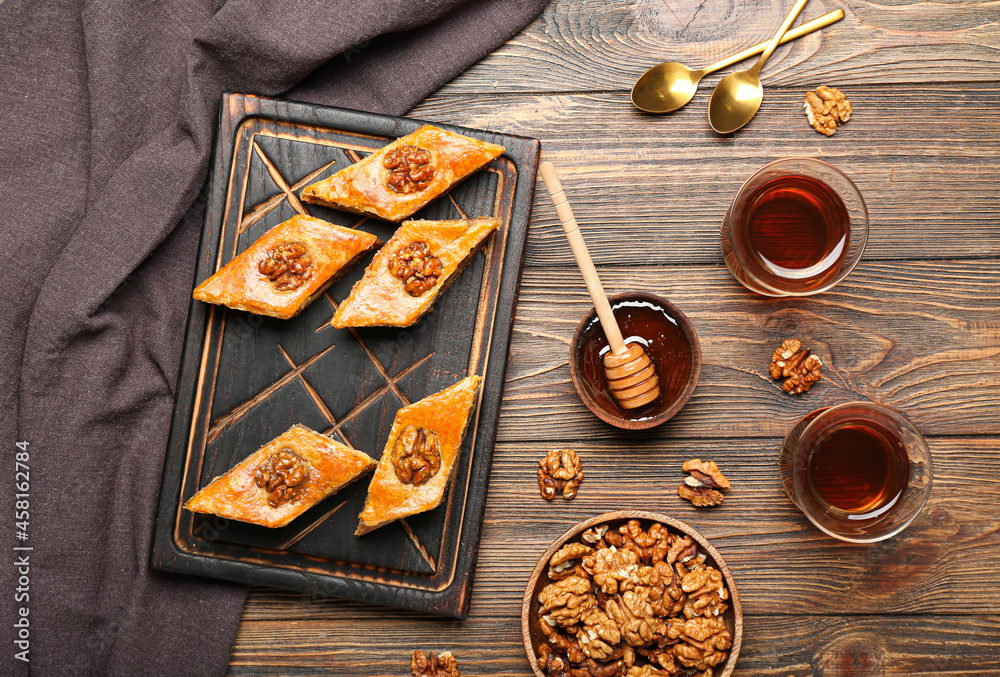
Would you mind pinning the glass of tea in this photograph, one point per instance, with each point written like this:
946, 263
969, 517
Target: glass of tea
796, 227
859, 471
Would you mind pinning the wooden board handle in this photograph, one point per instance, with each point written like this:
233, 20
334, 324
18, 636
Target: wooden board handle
583, 260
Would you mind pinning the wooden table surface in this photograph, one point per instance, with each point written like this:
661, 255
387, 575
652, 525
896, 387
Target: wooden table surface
915, 326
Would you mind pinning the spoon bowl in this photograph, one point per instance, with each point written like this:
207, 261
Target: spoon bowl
738, 96
666, 87
735, 101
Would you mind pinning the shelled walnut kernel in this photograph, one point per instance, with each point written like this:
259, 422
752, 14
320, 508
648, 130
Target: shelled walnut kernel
560, 470
410, 169
661, 619
417, 267
796, 365
287, 265
416, 456
703, 483
825, 107
428, 665
282, 475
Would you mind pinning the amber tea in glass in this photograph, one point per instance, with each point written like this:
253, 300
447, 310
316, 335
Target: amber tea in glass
796, 227
859, 471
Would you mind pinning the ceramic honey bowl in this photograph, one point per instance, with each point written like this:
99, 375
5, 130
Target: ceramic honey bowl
662, 597
667, 336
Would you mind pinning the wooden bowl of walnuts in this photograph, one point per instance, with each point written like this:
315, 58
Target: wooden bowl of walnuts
631, 593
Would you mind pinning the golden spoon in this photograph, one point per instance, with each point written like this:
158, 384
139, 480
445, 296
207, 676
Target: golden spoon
631, 375
737, 97
671, 85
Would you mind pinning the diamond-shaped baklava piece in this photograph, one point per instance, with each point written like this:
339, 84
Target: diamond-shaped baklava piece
281, 480
418, 458
408, 274
287, 267
400, 178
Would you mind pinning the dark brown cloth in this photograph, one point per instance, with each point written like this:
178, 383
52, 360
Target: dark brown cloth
108, 110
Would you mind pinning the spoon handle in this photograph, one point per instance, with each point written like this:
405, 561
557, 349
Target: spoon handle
583, 260
793, 34
773, 44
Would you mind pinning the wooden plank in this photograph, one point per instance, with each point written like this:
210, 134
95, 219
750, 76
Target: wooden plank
651, 190
782, 564
841, 646
920, 336
588, 45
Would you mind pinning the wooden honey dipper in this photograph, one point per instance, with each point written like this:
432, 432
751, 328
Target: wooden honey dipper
630, 372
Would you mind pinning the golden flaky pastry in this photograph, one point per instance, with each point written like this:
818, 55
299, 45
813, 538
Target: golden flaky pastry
408, 274
418, 458
281, 480
400, 178
287, 267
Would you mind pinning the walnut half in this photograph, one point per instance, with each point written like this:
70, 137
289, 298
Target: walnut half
796, 365
428, 665
416, 456
825, 107
560, 470
703, 483
282, 475
287, 265
417, 267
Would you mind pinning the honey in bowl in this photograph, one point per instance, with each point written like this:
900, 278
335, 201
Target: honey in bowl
665, 335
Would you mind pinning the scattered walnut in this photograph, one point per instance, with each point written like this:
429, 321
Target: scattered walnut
560, 471
839, 99
429, 665
702, 497
796, 365
282, 475
287, 265
416, 456
417, 268
410, 169
825, 107
701, 485
804, 377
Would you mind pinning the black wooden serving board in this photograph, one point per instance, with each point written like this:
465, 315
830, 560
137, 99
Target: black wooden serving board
246, 378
